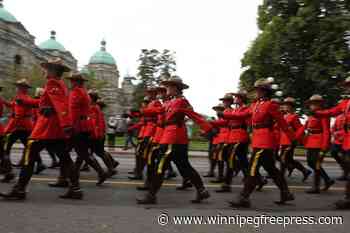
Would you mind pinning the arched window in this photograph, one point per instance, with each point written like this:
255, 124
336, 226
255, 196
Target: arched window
18, 59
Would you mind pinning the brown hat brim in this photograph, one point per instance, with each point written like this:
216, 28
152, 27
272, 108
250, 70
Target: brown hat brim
226, 98
45, 65
77, 77
22, 85
172, 83
240, 95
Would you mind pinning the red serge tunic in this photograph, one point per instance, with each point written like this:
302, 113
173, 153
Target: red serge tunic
263, 114
51, 126
338, 131
294, 124
238, 127
151, 118
342, 108
1, 112
317, 133
79, 106
97, 122
22, 115
224, 132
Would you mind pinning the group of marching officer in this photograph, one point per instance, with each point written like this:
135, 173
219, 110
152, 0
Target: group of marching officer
58, 121
61, 121
272, 129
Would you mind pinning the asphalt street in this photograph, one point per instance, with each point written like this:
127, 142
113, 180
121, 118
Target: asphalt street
112, 207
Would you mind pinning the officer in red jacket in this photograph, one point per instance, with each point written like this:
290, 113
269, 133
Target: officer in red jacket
2, 103
97, 137
51, 130
337, 151
263, 114
342, 108
286, 146
79, 105
220, 143
238, 141
316, 132
20, 125
174, 142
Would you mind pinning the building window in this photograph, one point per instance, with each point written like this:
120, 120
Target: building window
18, 60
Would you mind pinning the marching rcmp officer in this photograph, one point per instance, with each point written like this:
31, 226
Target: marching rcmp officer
263, 113
286, 145
51, 130
174, 142
316, 142
2, 104
342, 108
19, 126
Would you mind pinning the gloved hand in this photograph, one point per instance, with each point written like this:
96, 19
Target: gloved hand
19, 101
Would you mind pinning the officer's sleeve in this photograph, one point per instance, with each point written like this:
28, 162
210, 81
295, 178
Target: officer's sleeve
219, 123
153, 110
332, 112
27, 100
278, 117
244, 114
59, 101
326, 135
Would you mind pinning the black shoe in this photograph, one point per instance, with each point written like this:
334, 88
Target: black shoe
343, 204
8, 178
147, 200
39, 169
184, 186
224, 189
313, 191
115, 164
306, 175
101, 179
14, 195
202, 195
59, 184
290, 171
171, 175
261, 185
75, 194
135, 178
328, 185
131, 172
112, 173
285, 197
240, 203
142, 188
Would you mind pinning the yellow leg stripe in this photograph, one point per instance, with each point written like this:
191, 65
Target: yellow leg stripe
162, 161
232, 156
319, 161
27, 152
220, 152
153, 148
7, 137
255, 162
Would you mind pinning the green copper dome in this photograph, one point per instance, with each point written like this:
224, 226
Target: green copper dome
102, 56
5, 15
52, 44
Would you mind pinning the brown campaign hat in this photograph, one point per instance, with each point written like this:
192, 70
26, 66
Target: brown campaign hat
315, 99
263, 84
176, 81
241, 93
151, 89
77, 76
218, 107
227, 96
55, 62
23, 83
289, 101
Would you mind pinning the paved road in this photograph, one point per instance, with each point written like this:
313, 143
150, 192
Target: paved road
112, 207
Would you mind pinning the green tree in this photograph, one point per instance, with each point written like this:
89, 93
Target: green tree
302, 45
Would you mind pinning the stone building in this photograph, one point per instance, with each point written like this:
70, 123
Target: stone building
104, 67
19, 54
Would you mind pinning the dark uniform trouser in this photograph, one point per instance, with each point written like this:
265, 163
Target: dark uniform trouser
235, 157
32, 152
347, 171
337, 149
265, 158
81, 144
219, 151
287, 160
179, 155
98, 147
141, 155
152, 158
314, 160
9, 140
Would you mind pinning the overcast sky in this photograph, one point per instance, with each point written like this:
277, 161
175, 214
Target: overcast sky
209, 36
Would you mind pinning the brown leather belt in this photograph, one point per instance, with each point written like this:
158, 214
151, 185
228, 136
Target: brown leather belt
314, 131
238, 127
262, 126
